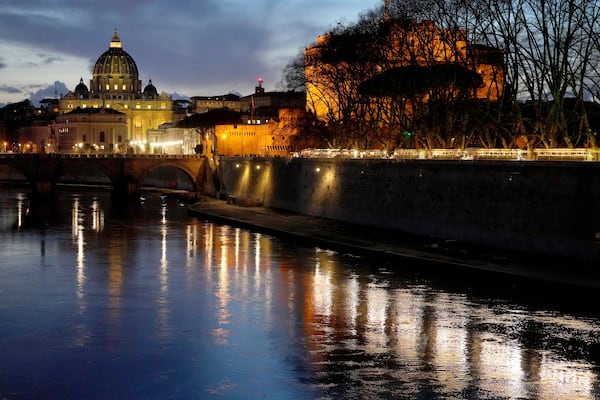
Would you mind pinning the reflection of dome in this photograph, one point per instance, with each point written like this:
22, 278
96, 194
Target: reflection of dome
150, 90
81, 90
115, 71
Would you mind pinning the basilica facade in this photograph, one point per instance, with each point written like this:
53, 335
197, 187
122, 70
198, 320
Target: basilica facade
115, 85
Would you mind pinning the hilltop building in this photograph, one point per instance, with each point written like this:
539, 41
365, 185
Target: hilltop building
202, 104
404, 60
269, 122
115, 85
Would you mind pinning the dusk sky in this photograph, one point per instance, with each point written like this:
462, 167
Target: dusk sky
187, 47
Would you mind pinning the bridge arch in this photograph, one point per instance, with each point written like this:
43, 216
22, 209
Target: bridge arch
192, 177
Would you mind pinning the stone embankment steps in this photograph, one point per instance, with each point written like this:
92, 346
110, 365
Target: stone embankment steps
338, 235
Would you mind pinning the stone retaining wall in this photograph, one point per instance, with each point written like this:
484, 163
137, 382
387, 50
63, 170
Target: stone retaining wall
551, 208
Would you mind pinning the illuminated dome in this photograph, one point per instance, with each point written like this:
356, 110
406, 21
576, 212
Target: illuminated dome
115, 72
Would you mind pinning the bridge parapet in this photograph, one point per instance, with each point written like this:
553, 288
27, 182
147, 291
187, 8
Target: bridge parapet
125, 172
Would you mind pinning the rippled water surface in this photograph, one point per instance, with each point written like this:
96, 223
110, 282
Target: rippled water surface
148, 302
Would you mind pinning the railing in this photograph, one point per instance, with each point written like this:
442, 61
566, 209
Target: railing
577, 154
104, 155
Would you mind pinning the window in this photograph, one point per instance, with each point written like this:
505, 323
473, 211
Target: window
119, 139
102, 136
116, 86
124, 87
107, 86
84, 138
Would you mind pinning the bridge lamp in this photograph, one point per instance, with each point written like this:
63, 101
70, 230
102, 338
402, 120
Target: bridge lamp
318, 169
258, 167
237, 165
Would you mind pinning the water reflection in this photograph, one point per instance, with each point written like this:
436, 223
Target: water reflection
221, 303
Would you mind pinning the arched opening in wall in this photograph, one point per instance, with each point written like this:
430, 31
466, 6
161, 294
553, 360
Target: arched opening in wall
168, 177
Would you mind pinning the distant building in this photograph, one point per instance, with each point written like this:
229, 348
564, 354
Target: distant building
115, 85
23, 126
262, 106
202, 104
267, 138
92, 130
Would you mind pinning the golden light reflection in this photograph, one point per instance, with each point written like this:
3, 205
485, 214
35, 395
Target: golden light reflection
449, 338
164, 313
376, 304
77, 233
20, 211
499, 366
191, 251
97, 217
322, 291
221, 334
352, 301
566, 380
437, 336
75, 218
408, 322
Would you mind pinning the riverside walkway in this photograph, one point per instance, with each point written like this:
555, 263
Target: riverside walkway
435, 255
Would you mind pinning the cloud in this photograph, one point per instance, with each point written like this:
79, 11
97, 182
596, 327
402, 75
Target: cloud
204, 47
49, 59
9, 89
53, 91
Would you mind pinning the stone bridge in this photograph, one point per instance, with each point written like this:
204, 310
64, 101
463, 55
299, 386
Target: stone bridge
125, 172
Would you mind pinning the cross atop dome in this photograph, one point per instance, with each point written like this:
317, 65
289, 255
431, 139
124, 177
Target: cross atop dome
115, 42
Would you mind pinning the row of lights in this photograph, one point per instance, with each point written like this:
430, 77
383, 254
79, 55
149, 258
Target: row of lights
238, 165
21, 147
258, 167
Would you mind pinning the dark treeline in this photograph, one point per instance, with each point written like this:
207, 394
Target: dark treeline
380, 83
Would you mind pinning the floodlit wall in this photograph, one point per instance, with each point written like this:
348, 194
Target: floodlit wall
545, 207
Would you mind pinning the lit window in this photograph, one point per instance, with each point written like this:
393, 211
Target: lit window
83, 105
124, 87
107, 86
138, 106
149, 106
116, 87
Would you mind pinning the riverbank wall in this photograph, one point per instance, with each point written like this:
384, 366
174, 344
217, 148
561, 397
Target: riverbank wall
550, 208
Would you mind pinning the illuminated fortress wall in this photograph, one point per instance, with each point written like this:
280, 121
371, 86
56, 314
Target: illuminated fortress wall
551, 208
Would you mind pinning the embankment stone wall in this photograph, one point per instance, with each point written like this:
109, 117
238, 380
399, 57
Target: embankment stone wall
552, 208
